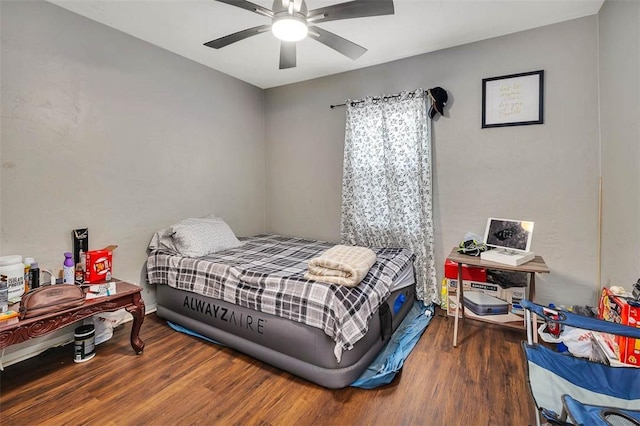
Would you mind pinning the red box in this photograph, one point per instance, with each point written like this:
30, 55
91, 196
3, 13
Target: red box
616, 309
469, 273
99, 266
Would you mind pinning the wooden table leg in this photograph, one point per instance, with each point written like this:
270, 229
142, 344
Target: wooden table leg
137, 310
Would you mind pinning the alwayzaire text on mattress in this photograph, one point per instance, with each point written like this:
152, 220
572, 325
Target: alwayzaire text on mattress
254, 297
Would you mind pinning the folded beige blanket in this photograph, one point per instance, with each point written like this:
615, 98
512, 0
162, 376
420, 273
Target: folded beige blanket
342, 265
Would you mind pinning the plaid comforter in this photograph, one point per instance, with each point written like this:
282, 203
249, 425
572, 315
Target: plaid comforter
266, 274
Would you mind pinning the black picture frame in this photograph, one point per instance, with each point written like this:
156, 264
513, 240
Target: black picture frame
513, 100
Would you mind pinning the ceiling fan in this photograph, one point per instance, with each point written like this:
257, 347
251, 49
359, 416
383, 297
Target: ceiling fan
291, 21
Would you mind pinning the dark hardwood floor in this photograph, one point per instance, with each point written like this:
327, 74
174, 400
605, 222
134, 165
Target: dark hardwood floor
180, 380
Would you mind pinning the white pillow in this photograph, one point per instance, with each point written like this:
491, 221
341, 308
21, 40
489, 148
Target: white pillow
196, 237
162, 240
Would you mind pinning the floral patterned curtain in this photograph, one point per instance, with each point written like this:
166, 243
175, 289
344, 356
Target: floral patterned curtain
386, 184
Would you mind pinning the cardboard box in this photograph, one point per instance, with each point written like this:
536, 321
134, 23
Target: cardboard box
99, 265
452, 293
451, 306
512, 295
616, 309
483, 287
516, 294
468, 272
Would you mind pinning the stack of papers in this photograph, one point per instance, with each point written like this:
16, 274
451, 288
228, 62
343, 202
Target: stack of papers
605, 350
101, 290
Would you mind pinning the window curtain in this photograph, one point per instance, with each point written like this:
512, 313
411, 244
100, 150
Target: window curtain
386, 184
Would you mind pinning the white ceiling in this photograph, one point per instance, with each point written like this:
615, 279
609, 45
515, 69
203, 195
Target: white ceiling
418, 26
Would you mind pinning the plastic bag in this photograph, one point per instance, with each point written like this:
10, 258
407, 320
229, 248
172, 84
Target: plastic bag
105, 322
578, 341
547, 337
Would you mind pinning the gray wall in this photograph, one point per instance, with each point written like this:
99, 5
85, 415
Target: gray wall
100, 129
546, 173
105, 131
619, 29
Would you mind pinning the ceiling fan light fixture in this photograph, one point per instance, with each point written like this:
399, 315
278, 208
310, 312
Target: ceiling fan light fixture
292, 21
289, 28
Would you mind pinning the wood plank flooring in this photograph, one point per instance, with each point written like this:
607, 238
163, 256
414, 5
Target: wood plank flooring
180, 380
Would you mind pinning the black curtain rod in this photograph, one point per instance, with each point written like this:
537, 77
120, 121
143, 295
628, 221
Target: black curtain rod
360, 101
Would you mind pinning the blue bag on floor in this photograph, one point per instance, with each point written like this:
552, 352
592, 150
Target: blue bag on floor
184, 330
390, 360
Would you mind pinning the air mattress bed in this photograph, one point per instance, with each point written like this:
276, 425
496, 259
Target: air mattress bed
254, 299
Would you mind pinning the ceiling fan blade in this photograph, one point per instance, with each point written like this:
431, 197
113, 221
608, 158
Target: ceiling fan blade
334, 41
287, 55
247, 5
240, 35
351, 9
297, 5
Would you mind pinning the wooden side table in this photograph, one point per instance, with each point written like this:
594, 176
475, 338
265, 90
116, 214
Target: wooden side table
532, 267
127, 296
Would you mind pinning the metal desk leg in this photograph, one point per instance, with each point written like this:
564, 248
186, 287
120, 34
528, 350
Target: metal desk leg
527, 324
532, 297
458, 298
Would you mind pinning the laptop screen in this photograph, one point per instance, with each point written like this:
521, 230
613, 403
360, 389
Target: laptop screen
508, 234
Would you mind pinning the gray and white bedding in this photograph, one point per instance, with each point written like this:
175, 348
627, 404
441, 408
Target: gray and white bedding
266, 274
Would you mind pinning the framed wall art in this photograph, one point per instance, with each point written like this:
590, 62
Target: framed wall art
513, 100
